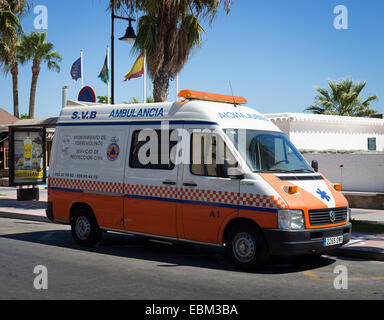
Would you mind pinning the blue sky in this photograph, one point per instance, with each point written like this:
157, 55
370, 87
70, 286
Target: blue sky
273, 51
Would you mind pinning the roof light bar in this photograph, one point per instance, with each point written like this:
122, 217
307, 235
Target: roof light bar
198, 95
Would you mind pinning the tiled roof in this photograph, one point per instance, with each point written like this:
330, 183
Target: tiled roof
6, 118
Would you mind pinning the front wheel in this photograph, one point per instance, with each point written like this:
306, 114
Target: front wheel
85, 230
246, 247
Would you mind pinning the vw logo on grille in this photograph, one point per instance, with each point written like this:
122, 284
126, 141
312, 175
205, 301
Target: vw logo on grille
332, 216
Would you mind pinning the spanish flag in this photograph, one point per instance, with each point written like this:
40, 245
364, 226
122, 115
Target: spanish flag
137, 70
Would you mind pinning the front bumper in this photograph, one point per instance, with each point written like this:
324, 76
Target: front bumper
298, 242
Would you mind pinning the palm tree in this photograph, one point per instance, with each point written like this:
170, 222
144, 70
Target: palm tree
103, 99
168, 31
34, 47
137, 101
10, 30
344, 98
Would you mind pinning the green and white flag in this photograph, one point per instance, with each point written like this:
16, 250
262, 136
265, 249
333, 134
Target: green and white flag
104, 74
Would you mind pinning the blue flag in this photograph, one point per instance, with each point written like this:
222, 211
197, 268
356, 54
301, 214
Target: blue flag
76, 70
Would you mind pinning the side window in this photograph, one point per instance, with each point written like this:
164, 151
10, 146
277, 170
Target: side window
147, 151
268, 151
264, 149
280, 150
208, 155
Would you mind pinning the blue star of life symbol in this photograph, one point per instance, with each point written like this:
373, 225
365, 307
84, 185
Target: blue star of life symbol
323, 195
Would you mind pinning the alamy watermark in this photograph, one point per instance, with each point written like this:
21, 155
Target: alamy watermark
41, 20
40, 282
181, 146
341, 280
340, 22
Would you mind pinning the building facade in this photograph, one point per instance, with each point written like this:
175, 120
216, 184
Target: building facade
349, 150
312, 132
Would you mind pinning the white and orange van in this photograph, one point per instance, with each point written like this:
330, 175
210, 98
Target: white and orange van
206, 170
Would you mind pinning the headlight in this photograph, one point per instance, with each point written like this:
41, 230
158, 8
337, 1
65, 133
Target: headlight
290, 219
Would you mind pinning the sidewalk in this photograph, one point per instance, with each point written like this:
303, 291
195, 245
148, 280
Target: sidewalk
362, 245
365, 245
24, 210
369, 215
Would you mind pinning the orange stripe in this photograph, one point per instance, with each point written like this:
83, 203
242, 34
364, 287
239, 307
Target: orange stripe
263, 219
108, 209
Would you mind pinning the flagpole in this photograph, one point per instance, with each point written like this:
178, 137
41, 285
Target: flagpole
82, 75
145, 77
108, 80
177, 86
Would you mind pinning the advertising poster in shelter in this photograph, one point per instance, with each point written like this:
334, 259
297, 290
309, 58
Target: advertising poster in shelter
27, 155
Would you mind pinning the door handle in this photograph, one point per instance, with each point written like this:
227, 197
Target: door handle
169, 183
189, 184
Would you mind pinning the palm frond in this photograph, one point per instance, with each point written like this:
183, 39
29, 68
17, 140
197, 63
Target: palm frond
343, 98
169, 30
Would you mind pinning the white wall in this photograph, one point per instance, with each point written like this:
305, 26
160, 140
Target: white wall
331, 136
362, 172
328, 132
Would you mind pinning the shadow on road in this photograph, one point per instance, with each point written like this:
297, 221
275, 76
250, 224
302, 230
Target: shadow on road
11, 203
166, 254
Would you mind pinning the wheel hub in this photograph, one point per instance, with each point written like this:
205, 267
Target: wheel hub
83, 228
244, 247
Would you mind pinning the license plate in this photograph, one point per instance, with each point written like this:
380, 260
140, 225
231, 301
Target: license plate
332, 241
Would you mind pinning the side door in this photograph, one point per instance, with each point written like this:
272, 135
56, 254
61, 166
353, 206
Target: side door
150, 183
209, 197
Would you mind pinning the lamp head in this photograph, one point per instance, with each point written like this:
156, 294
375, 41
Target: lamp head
130, 36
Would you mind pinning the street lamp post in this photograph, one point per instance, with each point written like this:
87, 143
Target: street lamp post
129, 37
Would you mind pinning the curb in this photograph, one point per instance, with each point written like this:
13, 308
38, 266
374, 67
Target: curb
21, 216
360, 254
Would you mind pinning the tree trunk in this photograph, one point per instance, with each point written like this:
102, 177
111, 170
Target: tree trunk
35, 75
161, 87
15, 84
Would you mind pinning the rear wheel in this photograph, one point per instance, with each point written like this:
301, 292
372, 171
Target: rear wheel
85, 230
246, 247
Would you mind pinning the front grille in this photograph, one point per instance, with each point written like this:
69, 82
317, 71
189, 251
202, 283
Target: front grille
319, 217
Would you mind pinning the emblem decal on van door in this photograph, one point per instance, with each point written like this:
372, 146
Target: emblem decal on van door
113, 150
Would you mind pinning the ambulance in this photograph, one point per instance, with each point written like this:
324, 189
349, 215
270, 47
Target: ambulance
206, 170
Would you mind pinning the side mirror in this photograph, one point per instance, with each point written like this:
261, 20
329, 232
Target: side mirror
315, 165
227, 170
235, 173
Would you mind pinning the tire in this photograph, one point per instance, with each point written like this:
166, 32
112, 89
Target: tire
85, 230
246, 247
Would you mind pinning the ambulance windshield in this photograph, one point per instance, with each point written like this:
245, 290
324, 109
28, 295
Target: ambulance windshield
267, 151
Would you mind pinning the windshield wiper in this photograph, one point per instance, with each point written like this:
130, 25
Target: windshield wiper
301, 171
272, 171
285, 171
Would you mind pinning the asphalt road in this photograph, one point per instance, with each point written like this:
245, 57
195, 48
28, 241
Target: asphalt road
124, 267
